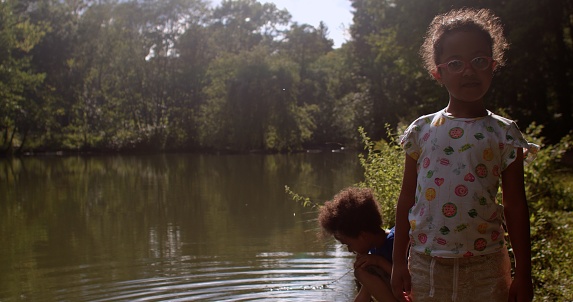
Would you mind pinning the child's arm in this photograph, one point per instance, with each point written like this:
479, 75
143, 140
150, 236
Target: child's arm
363, 295
517, 221
363, 261
373, 286
373, 282
400, 274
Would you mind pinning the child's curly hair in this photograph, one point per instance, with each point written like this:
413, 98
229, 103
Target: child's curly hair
352, 210
465, 19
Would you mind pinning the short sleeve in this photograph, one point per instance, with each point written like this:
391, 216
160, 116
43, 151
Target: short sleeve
514, 139
409, 141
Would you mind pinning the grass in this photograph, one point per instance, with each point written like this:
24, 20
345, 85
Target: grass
552, 249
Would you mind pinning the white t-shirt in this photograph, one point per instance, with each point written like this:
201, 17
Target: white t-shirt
459, 163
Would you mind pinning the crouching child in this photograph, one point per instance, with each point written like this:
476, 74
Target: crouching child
353, 218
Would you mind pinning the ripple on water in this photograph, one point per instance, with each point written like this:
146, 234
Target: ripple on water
277, 277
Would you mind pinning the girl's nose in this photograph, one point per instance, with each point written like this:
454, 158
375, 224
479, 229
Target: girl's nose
468, 70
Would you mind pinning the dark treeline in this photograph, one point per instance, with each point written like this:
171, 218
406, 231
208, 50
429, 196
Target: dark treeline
160, 75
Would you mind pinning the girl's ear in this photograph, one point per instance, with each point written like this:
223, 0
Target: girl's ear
436, 74
493, 65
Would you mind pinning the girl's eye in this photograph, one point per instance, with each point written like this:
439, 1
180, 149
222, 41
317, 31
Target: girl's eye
480, 62
455, 65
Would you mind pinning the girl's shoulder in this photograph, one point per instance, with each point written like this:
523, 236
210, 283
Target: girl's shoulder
427, 118
502, 121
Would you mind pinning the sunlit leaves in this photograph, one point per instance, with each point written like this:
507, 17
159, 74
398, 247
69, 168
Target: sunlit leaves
18, 35
383, 165
240, 25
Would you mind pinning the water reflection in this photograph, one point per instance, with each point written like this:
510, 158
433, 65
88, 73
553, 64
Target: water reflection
170, 228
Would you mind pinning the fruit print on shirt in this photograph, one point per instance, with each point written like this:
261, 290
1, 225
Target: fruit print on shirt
480, 244
449, 210
456, 132
460, 162
465, 147
488, 154
481, 170
430, 194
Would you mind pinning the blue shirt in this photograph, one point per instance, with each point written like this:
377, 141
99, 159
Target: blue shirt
386, 249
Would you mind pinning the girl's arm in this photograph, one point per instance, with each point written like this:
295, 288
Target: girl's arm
517, 220
363, 261
373, 284
400, 275
363, 295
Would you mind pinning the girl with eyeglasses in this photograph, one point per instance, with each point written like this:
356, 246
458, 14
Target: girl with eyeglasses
449, 235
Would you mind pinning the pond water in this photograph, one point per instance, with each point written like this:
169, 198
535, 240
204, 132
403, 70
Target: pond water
174, 227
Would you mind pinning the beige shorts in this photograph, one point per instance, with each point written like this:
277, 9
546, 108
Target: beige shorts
478, 278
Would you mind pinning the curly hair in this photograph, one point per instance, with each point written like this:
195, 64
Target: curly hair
466, 19
352, 210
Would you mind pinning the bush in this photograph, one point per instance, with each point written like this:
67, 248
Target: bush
544, 190
550, 202
551, 253
383, 166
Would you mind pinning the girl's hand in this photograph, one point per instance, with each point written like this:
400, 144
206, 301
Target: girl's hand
521, 289
401, 283
362, 261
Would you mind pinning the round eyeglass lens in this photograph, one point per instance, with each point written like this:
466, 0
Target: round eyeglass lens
455, 66
481, 63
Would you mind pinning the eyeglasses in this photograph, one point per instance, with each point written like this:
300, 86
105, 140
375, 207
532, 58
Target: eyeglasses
457, 66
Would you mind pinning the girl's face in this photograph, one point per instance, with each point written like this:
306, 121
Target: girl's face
358, 245
471, 84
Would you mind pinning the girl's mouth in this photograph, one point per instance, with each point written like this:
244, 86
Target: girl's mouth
471, 84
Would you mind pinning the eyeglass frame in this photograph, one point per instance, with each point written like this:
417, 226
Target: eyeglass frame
466, 64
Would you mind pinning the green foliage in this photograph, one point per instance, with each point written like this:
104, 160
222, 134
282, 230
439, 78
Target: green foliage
252, 103
383, 166
550, 199
328, 85
242, 25
180, 74
544, 191
304, 201
552, 257
18, 80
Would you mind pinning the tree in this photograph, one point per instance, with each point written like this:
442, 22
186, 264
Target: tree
252, 104
195, 53
241, 25
536, 85
342, 106
18, 81
165, 24
54, 56
304, 45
